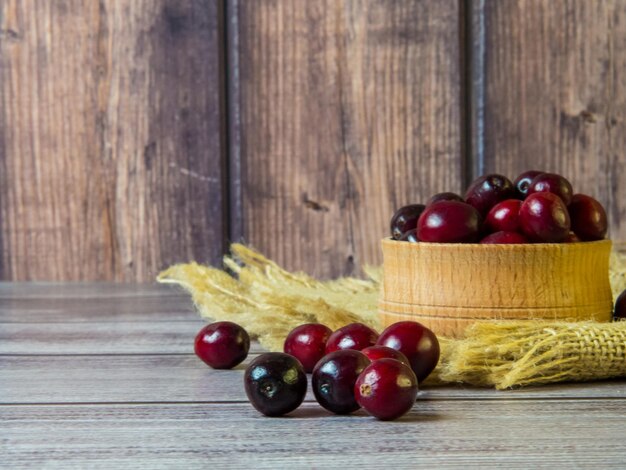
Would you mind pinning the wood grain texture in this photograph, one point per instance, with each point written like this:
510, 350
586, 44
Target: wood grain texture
348, 110
152, 378
451, 434
111, 161
549, 92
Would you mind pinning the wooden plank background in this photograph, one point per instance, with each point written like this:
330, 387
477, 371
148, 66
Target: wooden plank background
136, 134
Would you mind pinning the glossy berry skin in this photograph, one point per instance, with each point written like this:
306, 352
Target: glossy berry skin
386, 389
552, 183
307, 343
374, 353
486, 191
355, 336
504, 238
275, 383
449, 222
572, 238
544, 218
405, 219
504, 216
444, 197
334, 377
588, 217
410, 236
222, 345
416, 342
619, 312
522, 182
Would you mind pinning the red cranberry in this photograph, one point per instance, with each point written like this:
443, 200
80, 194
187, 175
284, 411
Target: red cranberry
222, 345
307, 343
374, 353
334, 377
416, 342
405, 219
552, 183
588, 218
449, 222
444, 197
504, 238
522, 182
275, 383
353, 336
572, 238
410, 236
544, 218
619, 312
504, 216
486, 191
386, 389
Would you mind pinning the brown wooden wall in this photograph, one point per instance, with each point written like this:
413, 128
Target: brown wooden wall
139, 133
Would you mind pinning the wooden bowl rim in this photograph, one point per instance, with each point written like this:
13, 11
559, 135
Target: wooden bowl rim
388, 241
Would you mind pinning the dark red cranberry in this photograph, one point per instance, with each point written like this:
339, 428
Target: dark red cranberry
374, 353
444, 197
386, 389
486, 191
222, 345
619, 312
405, 219
449, 222
275, 383
552, 183
307, 343
544, 218
410, 236
416, 342
504, 216
522, 182
572, 238
504, 238
334, 377
353, 336
588, 218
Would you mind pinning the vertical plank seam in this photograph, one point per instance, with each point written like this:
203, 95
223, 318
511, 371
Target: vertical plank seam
234, 211
476, 50
465, 112
4, 274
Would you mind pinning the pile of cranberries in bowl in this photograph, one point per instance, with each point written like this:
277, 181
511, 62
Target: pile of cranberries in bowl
537, 207
351, 368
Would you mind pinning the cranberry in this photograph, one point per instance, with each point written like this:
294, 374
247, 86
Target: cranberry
222, 345
522, 182
449, 222
275, 383
504, 216
552, 183
544, 218
572, 238
307, 343
444, 197
374, 353
588, 218
486, 191
504, 238
353, 336
334, 377
405, 219
386, 389
620, 307
416, 342
410, 236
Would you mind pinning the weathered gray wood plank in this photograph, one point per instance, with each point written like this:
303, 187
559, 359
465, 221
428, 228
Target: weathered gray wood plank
184, 378
83, 290
435, 434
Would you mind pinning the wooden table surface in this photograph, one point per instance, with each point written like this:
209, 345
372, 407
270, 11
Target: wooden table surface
104, 376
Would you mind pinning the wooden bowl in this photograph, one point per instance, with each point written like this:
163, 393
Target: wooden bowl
448, 286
